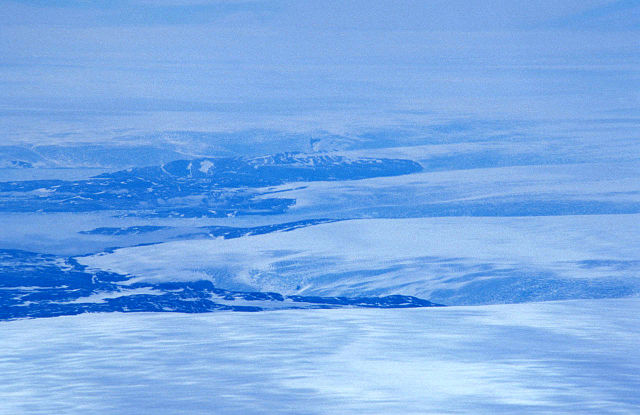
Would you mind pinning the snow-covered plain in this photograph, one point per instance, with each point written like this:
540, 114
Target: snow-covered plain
523, 117
541, 358
480, 224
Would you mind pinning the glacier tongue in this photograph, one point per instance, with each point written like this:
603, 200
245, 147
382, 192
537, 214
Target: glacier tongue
447, 260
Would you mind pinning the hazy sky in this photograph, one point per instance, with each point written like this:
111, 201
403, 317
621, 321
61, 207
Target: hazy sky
531, 59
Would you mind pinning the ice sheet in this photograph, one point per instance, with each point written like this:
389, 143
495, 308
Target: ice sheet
561, 358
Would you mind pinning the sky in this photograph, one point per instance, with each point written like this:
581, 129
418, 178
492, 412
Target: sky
491, 58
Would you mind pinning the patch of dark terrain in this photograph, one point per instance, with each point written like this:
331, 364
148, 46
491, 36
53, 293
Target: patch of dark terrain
207, 187
131, 230
36, 285
226, 232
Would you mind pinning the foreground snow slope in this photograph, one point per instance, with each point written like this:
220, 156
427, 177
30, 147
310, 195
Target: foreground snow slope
563, 357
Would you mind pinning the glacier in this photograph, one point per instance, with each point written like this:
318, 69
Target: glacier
361, 207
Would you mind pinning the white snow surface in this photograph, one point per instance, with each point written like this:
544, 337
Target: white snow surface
393, 256
398, 195
205, 166
555, 357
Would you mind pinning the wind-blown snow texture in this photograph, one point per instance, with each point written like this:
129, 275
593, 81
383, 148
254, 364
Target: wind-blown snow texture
270, 206
560, 358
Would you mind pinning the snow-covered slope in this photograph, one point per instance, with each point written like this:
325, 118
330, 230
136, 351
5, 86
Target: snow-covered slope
450, 261
543, 358
34, 285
